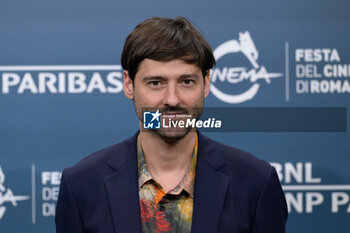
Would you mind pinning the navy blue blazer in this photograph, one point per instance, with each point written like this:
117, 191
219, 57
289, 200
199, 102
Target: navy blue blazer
234, 192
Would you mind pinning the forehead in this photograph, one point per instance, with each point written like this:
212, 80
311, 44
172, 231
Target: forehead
173, 68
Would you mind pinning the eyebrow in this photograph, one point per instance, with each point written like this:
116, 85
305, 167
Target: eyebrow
156, 77
184, 76
159, 77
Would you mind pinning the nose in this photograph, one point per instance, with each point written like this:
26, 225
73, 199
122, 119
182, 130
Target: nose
172, 96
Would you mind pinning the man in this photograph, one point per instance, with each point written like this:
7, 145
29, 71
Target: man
169, 180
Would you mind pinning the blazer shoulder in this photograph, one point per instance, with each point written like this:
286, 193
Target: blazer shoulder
236, 160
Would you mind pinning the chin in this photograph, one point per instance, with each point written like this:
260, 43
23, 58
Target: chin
172, 135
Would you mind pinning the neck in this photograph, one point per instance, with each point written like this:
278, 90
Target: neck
163, 156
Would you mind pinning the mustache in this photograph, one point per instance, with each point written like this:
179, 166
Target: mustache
175, 109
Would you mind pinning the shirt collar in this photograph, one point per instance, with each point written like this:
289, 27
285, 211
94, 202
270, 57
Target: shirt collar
187, 182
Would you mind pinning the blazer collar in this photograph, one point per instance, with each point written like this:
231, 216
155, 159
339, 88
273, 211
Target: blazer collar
122, 188
209, 192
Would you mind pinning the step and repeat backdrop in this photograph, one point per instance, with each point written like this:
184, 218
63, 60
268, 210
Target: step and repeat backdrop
61, 96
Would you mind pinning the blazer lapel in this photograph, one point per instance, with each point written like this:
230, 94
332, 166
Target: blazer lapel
210, 188
122, 190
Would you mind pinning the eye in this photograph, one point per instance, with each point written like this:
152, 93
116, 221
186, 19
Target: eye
188, 82
155, 84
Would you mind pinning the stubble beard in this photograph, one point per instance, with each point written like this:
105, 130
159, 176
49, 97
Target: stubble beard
170, 135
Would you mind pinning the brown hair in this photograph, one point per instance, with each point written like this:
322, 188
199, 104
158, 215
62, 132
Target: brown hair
164, 39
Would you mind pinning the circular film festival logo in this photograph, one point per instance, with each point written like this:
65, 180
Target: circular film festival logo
6, 195
235, 75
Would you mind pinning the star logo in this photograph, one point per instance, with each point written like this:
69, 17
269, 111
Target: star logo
156, 115
151, 120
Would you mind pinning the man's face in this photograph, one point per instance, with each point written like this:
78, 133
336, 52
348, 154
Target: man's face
174, 87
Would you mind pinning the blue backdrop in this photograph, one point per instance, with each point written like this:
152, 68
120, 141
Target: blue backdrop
61, 96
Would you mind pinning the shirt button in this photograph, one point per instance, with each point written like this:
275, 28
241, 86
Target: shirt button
161, 208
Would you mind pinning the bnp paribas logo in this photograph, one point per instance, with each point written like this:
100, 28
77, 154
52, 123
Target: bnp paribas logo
7, 196
225, 80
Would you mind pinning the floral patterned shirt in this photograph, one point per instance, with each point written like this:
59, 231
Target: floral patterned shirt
165, 212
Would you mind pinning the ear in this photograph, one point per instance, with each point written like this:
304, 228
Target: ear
128, 86
207, 84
